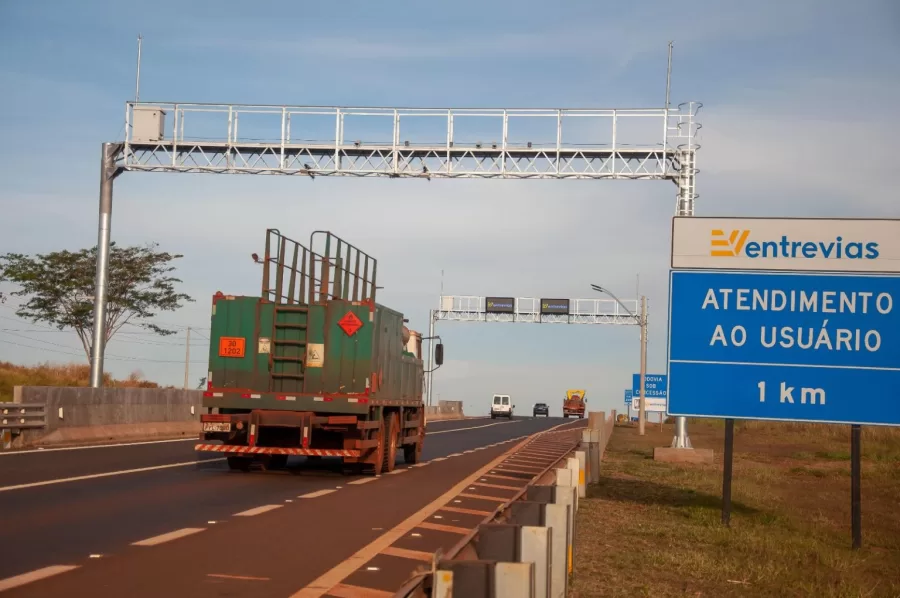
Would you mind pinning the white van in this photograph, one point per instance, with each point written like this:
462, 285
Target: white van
502, 407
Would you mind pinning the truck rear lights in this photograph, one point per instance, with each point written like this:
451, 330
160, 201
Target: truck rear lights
250, 396
214, 417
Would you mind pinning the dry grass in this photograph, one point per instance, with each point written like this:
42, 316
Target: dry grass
58, 375
654, 529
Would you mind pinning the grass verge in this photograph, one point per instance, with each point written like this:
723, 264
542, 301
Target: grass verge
654, 529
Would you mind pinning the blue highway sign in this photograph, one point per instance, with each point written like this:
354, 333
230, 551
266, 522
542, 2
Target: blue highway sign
655, 386
628, 395
785, 346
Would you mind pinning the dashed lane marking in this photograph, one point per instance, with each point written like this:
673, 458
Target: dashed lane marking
258, 510
317, 493
398, 471
95, 476
362, 481
32, 576
162, 538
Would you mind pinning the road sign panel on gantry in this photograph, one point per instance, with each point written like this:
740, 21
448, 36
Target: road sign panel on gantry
787, 345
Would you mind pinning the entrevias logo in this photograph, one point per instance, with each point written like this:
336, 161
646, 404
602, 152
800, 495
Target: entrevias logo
736, 244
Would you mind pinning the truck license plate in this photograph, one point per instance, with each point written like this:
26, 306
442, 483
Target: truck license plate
217, 426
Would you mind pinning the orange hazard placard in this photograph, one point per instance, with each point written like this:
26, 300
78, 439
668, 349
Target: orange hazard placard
350, 323
231, 346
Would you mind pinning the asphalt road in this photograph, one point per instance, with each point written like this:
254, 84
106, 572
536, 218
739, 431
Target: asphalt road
287, 527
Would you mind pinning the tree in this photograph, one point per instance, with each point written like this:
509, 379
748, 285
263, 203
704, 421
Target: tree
59, 288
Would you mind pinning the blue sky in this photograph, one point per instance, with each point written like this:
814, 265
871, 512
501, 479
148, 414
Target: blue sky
798, 120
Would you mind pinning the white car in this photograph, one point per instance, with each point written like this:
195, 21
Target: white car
502, 407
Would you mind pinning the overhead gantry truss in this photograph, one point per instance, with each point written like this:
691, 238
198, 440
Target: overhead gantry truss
469, 308
652, 144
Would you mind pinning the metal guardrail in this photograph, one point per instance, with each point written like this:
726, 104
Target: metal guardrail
22, 416
538, 570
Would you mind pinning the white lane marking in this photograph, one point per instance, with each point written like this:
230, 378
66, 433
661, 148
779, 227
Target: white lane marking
454, 455
32, 576
397, 471
94, 476
257, 510
94, 446
515, 421
317, 493
439, 459
362, 481
179, 533
423, 464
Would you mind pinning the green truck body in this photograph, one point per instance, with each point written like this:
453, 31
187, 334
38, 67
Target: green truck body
313, 367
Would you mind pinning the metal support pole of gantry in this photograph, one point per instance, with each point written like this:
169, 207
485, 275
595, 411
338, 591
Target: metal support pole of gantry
686, 181
108, 172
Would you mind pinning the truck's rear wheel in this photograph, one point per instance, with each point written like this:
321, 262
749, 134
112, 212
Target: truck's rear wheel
412, 453
374, 462
391, 440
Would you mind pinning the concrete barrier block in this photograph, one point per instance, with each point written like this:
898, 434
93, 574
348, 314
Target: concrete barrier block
557, 519
568, 495
581, 457
563, 476
514, 579
596, 419
470, 578
443, 584
539, 493
572, 466
535, 548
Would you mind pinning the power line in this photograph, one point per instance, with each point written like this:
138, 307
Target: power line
114, 338
69, 352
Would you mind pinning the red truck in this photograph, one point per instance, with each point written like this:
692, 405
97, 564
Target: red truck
573, 404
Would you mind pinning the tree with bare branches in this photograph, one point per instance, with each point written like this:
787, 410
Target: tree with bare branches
58, 288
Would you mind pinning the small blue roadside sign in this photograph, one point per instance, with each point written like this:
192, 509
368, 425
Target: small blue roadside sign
655, 386
785, 346
628, 395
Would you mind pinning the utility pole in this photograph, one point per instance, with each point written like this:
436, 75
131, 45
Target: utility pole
642, 417
187, 358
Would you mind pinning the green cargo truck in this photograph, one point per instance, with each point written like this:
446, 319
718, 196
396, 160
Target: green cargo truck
314, 366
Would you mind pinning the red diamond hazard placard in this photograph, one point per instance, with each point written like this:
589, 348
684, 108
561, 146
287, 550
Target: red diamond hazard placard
350, 323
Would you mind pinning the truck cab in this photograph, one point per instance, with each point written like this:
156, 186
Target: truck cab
573, 403
502, 406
